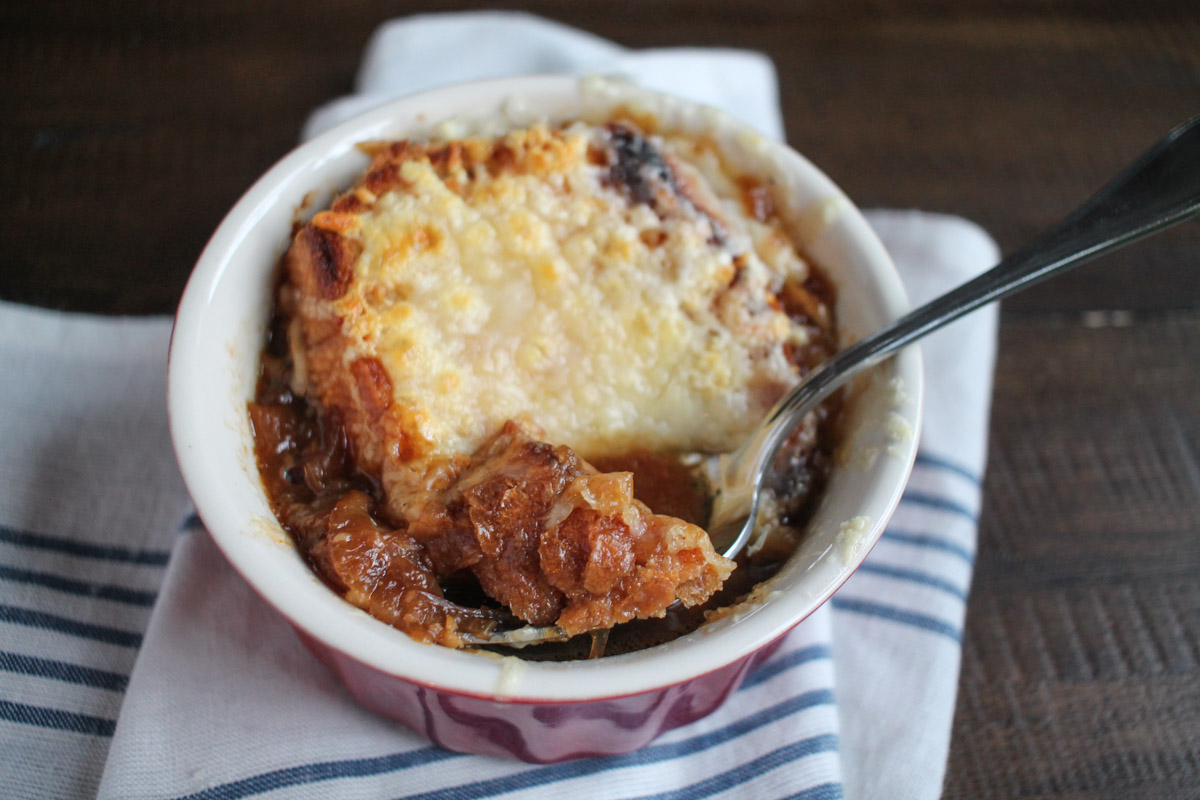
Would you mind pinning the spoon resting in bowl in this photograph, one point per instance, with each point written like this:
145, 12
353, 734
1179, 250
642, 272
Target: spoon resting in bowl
1158, 190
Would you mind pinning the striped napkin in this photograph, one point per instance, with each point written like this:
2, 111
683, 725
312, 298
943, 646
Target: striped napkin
135, 664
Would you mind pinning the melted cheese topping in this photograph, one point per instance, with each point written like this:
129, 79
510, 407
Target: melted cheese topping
545, 293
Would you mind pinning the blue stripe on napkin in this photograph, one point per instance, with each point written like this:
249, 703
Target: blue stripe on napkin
931, 541
62, 671
898, 615
101, 591
83, 549
946, 465
70, 627
56, 719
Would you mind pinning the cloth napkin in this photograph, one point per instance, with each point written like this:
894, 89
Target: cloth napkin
135, 663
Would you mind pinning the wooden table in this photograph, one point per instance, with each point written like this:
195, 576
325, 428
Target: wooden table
127, 131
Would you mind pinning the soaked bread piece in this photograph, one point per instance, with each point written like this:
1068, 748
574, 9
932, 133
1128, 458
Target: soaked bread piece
558, 543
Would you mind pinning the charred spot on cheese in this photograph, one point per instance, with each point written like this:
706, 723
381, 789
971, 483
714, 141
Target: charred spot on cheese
637, 167
641, 171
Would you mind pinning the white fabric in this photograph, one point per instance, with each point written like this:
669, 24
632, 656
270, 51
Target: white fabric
90, 500
413, 54
224, 702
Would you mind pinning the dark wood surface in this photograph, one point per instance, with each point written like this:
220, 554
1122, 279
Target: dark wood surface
129, 129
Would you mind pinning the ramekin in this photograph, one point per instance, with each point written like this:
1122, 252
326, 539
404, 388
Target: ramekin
482, 703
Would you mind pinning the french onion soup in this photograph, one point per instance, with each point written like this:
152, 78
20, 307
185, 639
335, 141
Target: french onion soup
490, 358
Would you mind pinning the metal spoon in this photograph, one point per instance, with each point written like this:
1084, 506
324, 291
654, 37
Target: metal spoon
1158, 190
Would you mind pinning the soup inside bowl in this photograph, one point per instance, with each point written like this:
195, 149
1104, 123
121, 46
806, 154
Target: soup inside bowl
550, 710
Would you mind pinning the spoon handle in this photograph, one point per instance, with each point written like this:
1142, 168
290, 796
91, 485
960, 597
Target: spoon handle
1158, 190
